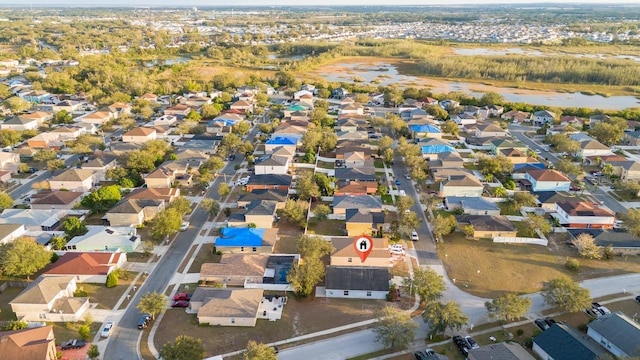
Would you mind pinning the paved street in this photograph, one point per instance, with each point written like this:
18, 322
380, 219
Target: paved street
44, 175
122, 345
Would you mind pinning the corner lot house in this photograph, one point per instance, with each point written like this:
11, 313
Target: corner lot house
345, 255
461, 185
238, 240
36, 343
50, 299
226, 307
87, 267
357, 282
618, 333
105, 238
561, 342
486, 226
584, 214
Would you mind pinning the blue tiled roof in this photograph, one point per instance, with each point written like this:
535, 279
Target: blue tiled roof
240, 237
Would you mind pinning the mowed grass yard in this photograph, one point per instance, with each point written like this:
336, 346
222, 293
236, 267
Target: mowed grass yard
300, 316
487, 269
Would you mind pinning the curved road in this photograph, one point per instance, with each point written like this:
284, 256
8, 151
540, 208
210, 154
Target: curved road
122, 343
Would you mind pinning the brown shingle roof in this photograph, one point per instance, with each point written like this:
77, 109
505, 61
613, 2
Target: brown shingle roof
84, 263
235, 303
583, 208
547, 175
27, 344
140, 131
74, 175
55, 197
237, 265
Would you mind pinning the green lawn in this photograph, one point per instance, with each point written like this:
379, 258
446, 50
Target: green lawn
378, 164
327, 227
386, 199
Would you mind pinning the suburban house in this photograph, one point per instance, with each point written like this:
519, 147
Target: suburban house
139, 135
465, 119
363, 221
272, 164
178, 110
33, 220
73, 180
584, 214
516, 156
357, 188
19, 123
547, 180
105, 238
288, 142
497, 145
87, 267
161, 177
618, 333
46, 140
226, 307
447, 160
356, 282
594, 119
263, 271
260, 213
269, 181
461, 185
100, 166
431, 147
96, 117
10, 232
500, 351
38, 343
593, 148
344, 253
355, 174
134, 212
543, 117
50, 299
243, 105
239, 240
369, 203
9, 162
472, 205
487, 226
66, 133
626, 170
119, 108
55, 199
561, 342
279, 196
425, 131
490, 130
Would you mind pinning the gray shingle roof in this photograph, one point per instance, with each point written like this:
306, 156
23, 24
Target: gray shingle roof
620, 330
357, 202
269, 179
561, 342
357, 278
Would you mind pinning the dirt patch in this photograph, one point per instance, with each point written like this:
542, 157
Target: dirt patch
205, 255
287, 245
138, 257
299, 317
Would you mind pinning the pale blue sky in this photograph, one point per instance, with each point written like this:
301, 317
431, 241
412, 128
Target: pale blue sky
108, 3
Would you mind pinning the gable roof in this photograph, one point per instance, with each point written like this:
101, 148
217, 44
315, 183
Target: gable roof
486, 222
27, 344
584, 208
500, 351
140, 131
269, 179
55, 197
361, 216
561, 342
73, 175
361, 173
42, 290
619, 329
133, 206
165, 194
547, 175
344, 248
249, 237
462, 180
235, 303
357, 278
84, 263
475, 203
261, 207
357, 202
593, 145
491, 127
265, 194
237, 265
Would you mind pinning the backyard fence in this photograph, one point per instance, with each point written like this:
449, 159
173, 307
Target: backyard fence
520, 240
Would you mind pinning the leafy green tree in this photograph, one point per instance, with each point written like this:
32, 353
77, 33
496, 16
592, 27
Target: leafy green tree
241, 129
212, 164
44, 155
62, 117
305, 275
325, 184
425, 283
610, 132
165, 223
73, 226
385, 142
538, 222
307, 186
587, 247
84, 331
58, 242
443, 225
395, 328
184, 348
182, 205
314, 247
495, 165
16, 325
9, 137
141, 161
258, 351
152, 303
388, 155
441, 317
568, 167
6, 201
211, 206
566, 294
450, 127
508, 307
17, 104
632, 221
23, 257
93, 353
102, 199
223, 189
112, 279
321, 212
55, 164
295, 211
209, 111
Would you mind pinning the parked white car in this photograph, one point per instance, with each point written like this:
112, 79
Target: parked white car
396, 249
414, 235
106, 330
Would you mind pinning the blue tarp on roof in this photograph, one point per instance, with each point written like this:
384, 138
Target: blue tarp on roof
436, 149
240, 237
282, 140
297, 108
528, 166
227, 122
426, 128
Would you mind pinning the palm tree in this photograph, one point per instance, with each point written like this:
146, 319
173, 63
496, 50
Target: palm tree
607, 170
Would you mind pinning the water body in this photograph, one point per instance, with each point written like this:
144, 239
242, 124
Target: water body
169, 61
387, 74
287, 58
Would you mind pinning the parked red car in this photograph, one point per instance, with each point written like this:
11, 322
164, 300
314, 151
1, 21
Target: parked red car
180, 304
182, 296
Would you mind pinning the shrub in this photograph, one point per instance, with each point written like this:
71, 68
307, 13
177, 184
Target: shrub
123, 274
112, 279
84, 331
80, 292
54, 257
227, 211
519, 332
572, 264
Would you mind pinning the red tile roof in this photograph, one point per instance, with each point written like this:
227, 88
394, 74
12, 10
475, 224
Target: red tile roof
84, 263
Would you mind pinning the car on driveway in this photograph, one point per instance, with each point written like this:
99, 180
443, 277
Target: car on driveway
461, 344
398, 183
106, 330
541, 324
419, 355
180, 304
182, 296
73, 344
471, 342
414, 235
549, 321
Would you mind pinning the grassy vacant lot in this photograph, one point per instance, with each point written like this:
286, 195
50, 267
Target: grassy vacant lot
518, 268
300, 316
327, 227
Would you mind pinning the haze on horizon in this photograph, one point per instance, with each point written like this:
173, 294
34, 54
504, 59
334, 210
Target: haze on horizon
182, 3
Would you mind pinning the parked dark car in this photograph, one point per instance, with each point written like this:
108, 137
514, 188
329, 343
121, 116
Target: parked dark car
638, 298
33, 170
461, 344
541, 324
232, 157
73, 344
180, 304
182, 296
595, 305
549, 321
419, 355
144, 321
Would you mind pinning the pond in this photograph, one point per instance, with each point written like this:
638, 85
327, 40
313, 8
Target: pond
387, 74
169, 61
